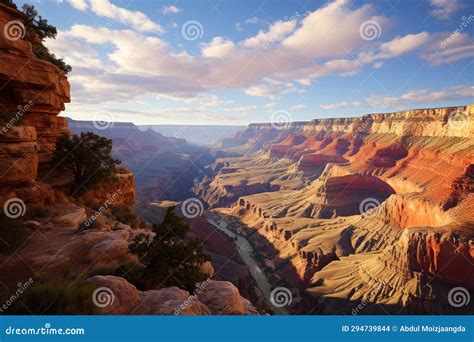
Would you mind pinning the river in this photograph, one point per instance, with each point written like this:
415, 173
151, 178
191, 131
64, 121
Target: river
246, 251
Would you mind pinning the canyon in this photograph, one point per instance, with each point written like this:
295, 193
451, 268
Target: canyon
374, 210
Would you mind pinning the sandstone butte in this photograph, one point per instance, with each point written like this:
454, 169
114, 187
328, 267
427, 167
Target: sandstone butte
298, 193
37, 91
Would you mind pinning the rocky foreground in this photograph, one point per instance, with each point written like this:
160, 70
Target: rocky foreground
375, 210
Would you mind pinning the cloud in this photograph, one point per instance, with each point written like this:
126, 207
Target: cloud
423, 96
137, 20
401, 45
303, 49
298, 106
254, 21
272, 88
448, 47
411, 97
335, 105
170, 9
242, 109
276, 33
333, 30
80, 5
218, 47
444, 9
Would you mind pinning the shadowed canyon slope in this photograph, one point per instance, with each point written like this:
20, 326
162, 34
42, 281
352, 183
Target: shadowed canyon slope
376, 209
164, 167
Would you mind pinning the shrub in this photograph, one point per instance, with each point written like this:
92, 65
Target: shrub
172, 258
59, 296
38, 27
13, 234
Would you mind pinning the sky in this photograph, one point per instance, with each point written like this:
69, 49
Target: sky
241, 61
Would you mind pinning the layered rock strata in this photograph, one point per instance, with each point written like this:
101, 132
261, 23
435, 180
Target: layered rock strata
385, 197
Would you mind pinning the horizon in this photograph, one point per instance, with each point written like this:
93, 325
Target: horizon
240, 63
270, 122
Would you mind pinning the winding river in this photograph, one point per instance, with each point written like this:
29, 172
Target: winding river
246, 251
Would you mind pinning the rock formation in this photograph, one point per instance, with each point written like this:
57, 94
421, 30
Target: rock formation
35, 91
211, 298
377, 207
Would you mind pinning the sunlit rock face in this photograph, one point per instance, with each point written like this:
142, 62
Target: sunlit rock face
35, 91
378, 207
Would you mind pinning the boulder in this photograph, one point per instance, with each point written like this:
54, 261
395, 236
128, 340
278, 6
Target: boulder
222, 298
110, 248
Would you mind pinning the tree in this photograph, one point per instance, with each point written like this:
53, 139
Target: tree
38, 23
88, 157
38, 27
8, 3
172, 258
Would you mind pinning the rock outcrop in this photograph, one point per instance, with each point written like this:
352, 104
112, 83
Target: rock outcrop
32, 94
211, 298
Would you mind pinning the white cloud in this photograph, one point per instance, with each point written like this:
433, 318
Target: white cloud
138, 20
242, 109
401, 45
272, 88
254, 21
311, 47
335, 105
411, 97
218, 47
276, 33
333, 30
170, 9
444, 9
298, 106
449, 48
80, 5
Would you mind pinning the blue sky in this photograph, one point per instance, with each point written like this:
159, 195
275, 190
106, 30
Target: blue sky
237, 62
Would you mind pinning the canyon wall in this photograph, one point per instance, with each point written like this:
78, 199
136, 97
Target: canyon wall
336, 204
33, 93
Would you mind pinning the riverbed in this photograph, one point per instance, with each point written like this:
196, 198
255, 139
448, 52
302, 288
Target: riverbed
246, 252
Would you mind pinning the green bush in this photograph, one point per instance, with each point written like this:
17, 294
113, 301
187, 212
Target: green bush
13, 234
172, 258
38, 27
59, 296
